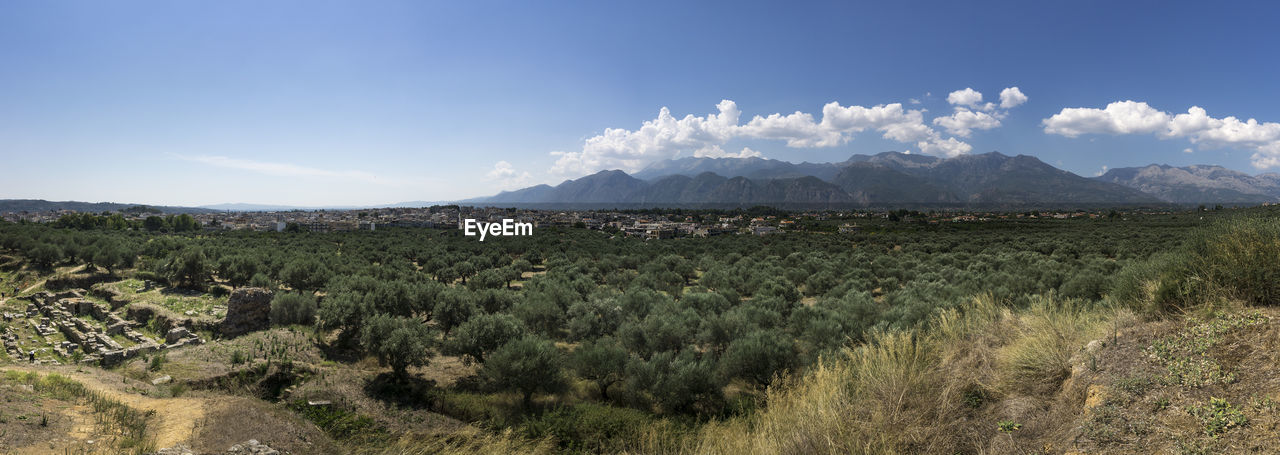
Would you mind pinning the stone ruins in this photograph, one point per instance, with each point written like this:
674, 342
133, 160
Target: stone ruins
248, 309
88, 328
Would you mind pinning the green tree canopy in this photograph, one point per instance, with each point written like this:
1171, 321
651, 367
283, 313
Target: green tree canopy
528, 365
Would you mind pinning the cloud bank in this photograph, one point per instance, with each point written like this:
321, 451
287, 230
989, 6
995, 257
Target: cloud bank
1133, 117
667, 136
970, 113
507, 176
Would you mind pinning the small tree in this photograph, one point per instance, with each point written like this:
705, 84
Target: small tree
46, 255
540, 314
305, 274
679, 383
109, 255
528, 365
594, 318
603, 361
238, 269
758, 357
153, 223
483, 334
453, 307
344, 310
188, 267
398, 342
488, 279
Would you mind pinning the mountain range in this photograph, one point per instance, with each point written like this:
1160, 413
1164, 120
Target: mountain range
885, 180
41, 205
246, 207
1198, 184
889, 179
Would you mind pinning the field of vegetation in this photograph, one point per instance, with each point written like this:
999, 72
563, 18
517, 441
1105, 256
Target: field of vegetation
992, 337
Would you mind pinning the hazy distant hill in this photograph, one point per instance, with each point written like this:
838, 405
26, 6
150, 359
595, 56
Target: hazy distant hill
885, 179
245, 207
1197, 184
995, 178
41, 205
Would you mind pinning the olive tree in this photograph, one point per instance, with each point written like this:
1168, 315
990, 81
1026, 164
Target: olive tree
483, 334
398, 342
602, 361
528, 365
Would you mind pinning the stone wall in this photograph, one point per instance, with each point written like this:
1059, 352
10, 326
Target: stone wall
248, 309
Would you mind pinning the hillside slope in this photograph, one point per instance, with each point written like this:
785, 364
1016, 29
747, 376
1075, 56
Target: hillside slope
1181, 358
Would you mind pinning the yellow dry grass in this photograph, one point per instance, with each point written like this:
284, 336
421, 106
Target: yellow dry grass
904, 391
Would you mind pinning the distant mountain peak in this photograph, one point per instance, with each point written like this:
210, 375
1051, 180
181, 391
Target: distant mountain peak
887, 178
1197, 183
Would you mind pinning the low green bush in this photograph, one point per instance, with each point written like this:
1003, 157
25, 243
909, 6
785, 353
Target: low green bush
589, 427
289, 308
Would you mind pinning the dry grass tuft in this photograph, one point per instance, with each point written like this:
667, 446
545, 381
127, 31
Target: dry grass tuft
917, 391
1038, 359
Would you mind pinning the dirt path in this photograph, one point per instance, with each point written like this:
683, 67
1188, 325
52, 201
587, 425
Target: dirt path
176, 420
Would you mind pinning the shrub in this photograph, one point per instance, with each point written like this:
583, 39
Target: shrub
1218, 416
337, 422
219, 291
289, 308
260, 280
1232, 259
758, 357
157, 361
678, 383
589, 427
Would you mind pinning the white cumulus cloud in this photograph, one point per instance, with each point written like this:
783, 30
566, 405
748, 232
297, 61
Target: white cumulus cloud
1011, 97
1121, 117
964, 121
972, 114
507, 176
967, 97
1132, 117
667, 136
660, 138
716, 152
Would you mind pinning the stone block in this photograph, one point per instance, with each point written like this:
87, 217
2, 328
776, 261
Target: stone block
248, 309
175, 334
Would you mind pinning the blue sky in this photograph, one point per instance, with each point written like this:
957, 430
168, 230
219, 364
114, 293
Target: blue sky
340, 103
